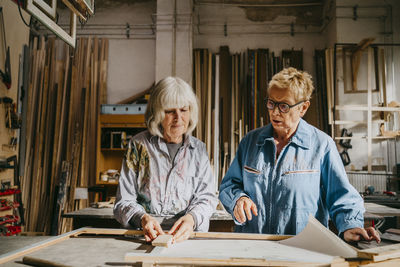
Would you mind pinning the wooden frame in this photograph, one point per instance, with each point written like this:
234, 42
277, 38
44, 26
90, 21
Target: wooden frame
385, 254
82, 8
50, 10
36, 12
349, 70
125, 232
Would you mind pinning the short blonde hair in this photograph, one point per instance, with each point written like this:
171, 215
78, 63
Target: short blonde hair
170, 92
298, 82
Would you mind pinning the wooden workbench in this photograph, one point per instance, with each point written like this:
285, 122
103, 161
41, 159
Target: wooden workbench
220, 221
119, 247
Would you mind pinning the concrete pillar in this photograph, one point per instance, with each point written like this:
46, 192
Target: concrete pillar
174, 39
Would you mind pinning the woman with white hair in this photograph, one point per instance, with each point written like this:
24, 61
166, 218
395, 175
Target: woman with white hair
166, 175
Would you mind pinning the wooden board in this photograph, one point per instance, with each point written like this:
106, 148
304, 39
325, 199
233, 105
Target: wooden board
235, 252
162, 241
381, 253
115, 234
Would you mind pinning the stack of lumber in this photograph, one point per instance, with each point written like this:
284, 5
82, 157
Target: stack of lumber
231, 89
65, 90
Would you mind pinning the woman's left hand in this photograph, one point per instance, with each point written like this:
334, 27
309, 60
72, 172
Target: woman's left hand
182, 228
358, 234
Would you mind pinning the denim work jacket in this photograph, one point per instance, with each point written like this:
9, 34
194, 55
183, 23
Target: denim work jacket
308, 177
152, 183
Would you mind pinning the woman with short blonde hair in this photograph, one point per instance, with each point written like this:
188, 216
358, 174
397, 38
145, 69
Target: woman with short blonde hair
295, 81
288, 170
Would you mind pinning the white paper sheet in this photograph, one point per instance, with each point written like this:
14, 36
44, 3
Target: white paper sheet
316, 237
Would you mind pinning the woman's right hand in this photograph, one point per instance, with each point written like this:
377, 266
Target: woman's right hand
151, 228
243, 208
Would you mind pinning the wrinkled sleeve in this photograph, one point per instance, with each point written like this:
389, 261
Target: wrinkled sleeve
204, 200
345, 205
127, 211
231, 188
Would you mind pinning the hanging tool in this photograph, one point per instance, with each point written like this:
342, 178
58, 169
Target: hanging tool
13, 120
6, 75
346, 145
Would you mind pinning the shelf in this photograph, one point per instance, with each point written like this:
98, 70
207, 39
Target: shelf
363, 137
112, 149
125, 120
109, 154
107, 183
357, 122
365, 108
8, 192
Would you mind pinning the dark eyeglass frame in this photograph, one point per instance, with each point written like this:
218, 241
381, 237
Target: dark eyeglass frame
282, 103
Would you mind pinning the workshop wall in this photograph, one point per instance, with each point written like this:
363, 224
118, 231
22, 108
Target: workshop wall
216, 26
242, 34
17, 35
131, 60
131, 57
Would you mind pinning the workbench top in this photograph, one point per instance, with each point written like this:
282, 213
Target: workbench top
371, 208
107, 213
373, 211
88, 251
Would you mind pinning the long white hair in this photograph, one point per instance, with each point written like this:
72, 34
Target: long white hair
170, 92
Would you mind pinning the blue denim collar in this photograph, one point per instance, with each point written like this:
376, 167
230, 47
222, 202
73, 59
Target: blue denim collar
302, 136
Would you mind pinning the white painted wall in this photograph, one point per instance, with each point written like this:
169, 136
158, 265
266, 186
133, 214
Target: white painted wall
131, 61
174, 39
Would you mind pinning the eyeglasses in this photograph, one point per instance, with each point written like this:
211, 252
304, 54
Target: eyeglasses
282, 106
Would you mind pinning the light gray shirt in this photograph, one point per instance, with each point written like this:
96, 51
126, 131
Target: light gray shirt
152, 183
173, 149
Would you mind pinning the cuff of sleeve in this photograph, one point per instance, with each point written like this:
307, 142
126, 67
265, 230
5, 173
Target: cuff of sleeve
136, 220
234, 200
195, 219
349, 221
232, 207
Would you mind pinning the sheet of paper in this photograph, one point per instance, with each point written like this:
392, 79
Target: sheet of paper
317, 237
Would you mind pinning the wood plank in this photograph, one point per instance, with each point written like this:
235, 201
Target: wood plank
209, 104
393, 231
387, 263
133, 257
163, 241
33, 261
329, 82
216, 124
110, 231
381, 253
243, 236
369, 112
236, 252
383, 79
232, 111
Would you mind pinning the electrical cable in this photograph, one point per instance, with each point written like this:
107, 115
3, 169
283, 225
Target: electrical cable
20, 13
